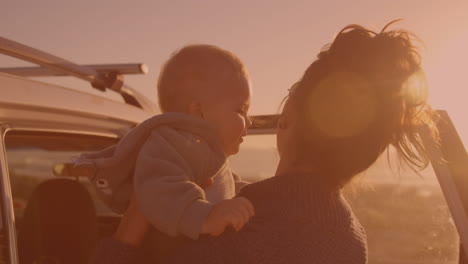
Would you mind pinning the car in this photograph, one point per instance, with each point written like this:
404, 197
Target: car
43, 126
50, 215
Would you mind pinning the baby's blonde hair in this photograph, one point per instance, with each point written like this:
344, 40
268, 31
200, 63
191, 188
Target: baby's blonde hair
192, 69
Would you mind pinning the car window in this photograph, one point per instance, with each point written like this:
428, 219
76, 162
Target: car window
405, 214
33, 156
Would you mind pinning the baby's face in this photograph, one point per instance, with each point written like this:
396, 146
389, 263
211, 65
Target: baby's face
226, 109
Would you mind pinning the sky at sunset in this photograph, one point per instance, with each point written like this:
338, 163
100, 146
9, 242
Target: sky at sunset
277, 40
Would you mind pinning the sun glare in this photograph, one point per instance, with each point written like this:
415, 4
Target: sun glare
343, 105
415, 89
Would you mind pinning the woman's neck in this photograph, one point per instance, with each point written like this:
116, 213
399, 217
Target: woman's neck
286, 166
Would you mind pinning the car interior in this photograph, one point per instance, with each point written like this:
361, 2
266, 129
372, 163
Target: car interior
51, 209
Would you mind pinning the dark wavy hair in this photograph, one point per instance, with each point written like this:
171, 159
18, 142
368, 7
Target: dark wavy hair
365, 91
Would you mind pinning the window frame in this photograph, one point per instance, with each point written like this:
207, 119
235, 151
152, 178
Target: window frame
8, 215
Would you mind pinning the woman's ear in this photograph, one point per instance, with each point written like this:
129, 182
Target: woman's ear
195, 109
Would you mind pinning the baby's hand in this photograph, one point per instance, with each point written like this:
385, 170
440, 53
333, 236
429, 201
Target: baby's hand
235, 212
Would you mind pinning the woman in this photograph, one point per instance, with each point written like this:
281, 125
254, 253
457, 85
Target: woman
357, 98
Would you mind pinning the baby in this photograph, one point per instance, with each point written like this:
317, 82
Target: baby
169, 159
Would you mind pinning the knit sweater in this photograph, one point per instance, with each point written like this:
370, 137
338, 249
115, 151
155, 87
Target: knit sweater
297, 220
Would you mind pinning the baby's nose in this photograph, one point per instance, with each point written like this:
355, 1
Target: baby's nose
248, 122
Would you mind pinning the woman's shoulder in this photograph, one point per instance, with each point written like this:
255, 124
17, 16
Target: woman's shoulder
260, 188
266, 196
299, 194
286, 184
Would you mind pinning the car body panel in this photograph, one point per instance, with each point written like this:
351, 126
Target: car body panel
29, 101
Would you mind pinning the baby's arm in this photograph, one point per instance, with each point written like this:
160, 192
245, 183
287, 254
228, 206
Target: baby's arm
171, 201
234, 212
165, 192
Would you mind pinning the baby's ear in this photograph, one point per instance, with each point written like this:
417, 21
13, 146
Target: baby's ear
195, 109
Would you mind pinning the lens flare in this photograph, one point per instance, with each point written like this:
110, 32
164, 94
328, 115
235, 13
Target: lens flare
415, 89
342, 105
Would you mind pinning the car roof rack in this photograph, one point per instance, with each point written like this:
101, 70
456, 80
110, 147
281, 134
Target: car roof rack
101, 77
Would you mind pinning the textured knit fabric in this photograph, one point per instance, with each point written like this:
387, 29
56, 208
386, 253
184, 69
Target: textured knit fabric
112, 251
166, 158
296, 221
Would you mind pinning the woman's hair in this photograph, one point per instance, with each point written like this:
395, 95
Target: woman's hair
365, 91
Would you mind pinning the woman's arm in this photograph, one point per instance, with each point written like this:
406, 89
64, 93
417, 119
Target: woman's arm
232, 247
124, 246
133, 226
112, 251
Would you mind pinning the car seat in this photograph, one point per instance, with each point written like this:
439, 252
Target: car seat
59, 224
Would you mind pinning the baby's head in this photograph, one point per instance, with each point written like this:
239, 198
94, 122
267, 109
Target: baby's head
211, 83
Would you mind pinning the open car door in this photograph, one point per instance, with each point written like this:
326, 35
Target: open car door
450, 163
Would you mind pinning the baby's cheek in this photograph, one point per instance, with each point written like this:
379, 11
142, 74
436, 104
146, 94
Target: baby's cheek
233, 131
238, 126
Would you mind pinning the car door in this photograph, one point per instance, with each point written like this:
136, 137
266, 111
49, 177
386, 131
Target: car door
452, 173
409, 217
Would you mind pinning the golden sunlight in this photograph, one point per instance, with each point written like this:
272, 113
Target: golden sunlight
415, 89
